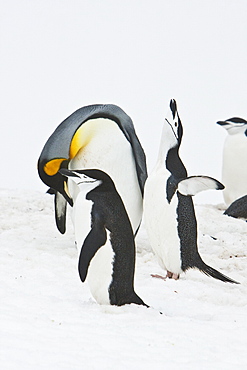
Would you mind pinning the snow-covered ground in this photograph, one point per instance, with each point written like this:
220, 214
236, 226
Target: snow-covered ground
48, 319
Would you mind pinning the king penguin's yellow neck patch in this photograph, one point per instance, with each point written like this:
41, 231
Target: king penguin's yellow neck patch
82, 137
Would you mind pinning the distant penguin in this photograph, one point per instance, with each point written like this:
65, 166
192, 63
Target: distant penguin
238, 209
168, 207
95, 136
105, 236
234, 169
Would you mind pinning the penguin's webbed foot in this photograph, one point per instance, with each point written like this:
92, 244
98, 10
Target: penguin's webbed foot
171, 275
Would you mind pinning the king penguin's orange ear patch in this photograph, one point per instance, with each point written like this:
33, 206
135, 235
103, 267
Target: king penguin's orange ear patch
53, 166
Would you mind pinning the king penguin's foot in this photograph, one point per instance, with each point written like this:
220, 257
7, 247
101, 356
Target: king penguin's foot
171, 275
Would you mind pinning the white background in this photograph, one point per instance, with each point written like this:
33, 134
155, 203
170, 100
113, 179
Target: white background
59, 55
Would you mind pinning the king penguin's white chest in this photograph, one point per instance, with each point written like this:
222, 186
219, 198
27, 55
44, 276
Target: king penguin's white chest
161, 221
99, 276
106, 148
234, 171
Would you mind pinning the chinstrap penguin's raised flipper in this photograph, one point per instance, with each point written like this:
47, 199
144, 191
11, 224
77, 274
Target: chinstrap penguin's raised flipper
195, 184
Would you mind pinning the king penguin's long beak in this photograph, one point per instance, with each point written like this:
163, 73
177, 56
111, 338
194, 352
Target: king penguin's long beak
67, 194
67, 173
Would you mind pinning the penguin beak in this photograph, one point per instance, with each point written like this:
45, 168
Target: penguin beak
66, 194
67, 173
173, 107
222, 123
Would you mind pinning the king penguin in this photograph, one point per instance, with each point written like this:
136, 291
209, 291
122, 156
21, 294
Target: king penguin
169, 214
234, 169
95, 136
105, 236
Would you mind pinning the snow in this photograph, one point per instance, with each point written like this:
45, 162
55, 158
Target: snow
48, 319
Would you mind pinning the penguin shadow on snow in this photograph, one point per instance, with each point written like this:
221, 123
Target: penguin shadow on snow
169, 213
107, 256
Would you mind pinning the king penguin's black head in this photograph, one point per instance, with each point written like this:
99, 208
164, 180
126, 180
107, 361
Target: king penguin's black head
53, 178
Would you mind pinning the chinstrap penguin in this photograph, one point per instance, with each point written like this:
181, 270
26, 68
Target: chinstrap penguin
234, 169
95, 136
168, 207
238, 209
105, 238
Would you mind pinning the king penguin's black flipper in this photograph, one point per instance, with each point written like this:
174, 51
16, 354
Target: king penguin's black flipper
140, 160
95, 239
60, 205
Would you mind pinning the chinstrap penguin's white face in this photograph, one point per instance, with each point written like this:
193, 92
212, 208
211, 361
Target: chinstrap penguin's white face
234, 125
83, 181
172, 128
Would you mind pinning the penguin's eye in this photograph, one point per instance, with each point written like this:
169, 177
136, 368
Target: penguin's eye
176, 124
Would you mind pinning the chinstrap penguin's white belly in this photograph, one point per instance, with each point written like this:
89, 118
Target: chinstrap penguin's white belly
161, 222
100, 269
100, 272
234, 170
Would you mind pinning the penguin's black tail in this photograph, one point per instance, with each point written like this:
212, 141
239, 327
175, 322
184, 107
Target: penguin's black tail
137, 300
210, 271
